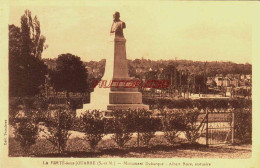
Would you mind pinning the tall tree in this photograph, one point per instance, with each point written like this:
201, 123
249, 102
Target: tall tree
33, 41
200, 81
70, 74
171, 73
26, 69
15, 69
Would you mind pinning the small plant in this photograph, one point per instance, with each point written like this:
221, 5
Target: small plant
122, 125
170, 136
58, 126
24, 120
93, 126
145, 137
147, 126
121, 138
26, 131
173, 124
191, 126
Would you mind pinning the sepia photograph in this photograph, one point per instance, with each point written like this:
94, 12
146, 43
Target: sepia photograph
149, 84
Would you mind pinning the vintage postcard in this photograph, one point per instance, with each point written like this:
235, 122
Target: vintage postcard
129, 84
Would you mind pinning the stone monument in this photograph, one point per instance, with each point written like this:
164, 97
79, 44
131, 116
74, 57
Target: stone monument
118, 97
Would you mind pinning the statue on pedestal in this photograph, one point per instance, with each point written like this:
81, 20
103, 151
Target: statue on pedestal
117, 26
117, 97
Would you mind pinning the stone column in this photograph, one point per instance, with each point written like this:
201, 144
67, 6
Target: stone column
121, 97
120, 61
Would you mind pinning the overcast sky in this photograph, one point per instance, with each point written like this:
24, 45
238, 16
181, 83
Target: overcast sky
203, 32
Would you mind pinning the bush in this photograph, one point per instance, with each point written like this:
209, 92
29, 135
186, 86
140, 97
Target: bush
162, 103
122, 123
191, 125
26, 131
36, 106
24, 116
58, 124
147, 126
93, 127
243, 126
173, 122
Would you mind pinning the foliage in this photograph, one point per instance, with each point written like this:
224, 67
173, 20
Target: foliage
200, 81
191, 68
93, 127
24, 116
162, 103
27, 106
131, 69
58, 123
59, 119
191, 125
145, 137
151, 75
26, 132
26, 69
147, 125
121, 138
122, 123
70, 74
14, 108
173, 123
243, 126
32, 40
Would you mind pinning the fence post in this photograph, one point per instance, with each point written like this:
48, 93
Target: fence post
233, 127
207, 128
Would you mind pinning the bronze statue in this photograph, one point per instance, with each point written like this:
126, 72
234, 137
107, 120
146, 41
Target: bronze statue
117, 26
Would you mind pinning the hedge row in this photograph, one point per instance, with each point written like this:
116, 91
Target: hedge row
60, 119
210, 103
154, 103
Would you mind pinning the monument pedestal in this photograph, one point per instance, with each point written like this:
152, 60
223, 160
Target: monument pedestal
117, 97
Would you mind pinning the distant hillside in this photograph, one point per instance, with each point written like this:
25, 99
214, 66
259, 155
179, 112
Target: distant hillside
193, 67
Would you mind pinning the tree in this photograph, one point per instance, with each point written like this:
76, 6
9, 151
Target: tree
171, 73
26, 69
15, 69
201, 81
131, 70
151, 75
70, 74
32, 40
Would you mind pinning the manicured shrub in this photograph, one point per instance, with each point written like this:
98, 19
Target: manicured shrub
122, 122
173, 123
58, 124
93, 127
210, 103
191, 125
147, 126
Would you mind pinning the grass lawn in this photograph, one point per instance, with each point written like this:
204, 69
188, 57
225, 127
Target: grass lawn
78, 147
